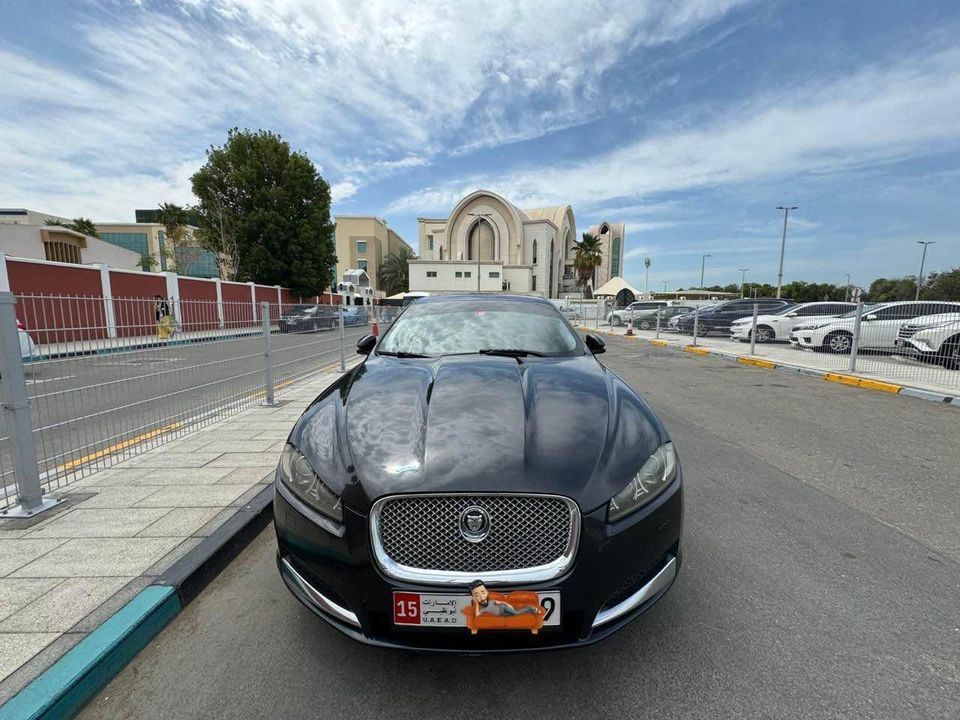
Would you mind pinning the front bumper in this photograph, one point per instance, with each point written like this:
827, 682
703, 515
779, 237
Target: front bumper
620, 571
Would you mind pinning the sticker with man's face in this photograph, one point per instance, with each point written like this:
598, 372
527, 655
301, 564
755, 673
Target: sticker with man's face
517, 610
478, 608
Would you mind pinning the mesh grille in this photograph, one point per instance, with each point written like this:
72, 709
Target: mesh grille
525, 531
907, 331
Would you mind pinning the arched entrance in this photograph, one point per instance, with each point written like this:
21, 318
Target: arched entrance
625, 297
481, 233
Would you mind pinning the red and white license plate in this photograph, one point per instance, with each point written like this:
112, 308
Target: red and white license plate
454, 610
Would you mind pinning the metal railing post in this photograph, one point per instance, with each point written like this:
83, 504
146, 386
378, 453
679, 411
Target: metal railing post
658, 325
16, 407
753, 330
343, 358
267, 355
696, 323
855, 346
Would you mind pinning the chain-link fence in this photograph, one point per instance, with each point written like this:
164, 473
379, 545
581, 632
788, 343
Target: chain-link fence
88, 382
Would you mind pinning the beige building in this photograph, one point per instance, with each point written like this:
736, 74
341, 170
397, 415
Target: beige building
613, 239
60, 244
518, 251
363, 241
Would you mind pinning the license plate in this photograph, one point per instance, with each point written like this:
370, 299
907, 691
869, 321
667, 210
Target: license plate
528, 610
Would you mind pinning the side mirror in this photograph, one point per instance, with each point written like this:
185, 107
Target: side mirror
365, 344
871, 316
595, 344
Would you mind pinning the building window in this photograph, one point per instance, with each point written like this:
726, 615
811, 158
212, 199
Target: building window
459, 274
534, 252
362, 246
131, 241
430, 241
431, 273
495, 274
533, 283
64, 252
194, 261
615, 258
361, 264
466, 273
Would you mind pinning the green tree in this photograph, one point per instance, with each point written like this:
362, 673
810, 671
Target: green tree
267, 210
587, 257
394, 273
942, 286
80, 225
892, 289
148, 262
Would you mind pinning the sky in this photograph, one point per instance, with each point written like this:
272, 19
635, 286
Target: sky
689, 120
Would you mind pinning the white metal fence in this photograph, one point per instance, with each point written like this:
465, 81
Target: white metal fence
81, 392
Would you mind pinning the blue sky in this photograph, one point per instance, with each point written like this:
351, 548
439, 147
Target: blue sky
689, 120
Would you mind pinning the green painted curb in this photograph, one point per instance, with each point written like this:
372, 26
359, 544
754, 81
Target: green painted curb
76, 677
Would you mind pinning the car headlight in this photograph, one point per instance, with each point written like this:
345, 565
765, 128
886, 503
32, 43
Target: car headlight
299, 477
812, 326
657, 473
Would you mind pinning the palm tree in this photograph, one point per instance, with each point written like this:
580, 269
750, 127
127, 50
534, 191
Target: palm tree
587, 258
394, 273
80, 225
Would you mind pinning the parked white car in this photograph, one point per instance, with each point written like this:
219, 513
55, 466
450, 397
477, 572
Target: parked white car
778, 326
878, 327
935, 338
620, 317
28, 348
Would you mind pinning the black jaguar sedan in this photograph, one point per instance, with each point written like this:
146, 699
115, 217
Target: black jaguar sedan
481, 482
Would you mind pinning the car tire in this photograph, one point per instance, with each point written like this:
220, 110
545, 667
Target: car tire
765, 334
950, 353
615, 321
838, 342
644, 325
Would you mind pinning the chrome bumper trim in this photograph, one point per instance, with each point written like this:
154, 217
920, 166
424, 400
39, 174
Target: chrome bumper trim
661, 581
539, 573
316, 598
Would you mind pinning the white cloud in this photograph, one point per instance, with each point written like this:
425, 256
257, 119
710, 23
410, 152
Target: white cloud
880, 114
342, 190
379, 86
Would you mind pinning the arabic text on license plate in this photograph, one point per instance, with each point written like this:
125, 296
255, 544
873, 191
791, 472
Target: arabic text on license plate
424, 610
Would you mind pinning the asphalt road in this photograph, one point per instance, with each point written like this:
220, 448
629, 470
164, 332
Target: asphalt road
85, 404
820, 580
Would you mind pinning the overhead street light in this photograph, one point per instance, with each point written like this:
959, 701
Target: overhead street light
846, 297
743, 279
783, 244
922, 260
703, 263
665, 285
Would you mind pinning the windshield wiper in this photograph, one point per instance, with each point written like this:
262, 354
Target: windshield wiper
509, 352
402, 354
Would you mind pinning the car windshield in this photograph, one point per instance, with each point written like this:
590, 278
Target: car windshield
866, 309
458, 327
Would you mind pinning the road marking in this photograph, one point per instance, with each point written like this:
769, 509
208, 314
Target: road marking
119, 446
757, 362
696, 350
53, 379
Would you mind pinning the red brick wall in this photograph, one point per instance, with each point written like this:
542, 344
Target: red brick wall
198, 304
237, 308
134, 302
61, 303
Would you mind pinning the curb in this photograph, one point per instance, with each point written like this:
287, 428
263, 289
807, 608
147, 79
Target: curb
72, 681
841, 378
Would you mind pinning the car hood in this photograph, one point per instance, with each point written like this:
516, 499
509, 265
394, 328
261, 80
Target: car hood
565, 426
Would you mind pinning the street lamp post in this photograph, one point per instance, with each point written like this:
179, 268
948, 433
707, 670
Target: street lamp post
923, 259
703, 263
783, 244
646, 277
846, 297
485, 216
665, 285
743, 279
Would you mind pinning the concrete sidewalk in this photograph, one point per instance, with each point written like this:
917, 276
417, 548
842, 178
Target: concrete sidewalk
879, 368
65, 572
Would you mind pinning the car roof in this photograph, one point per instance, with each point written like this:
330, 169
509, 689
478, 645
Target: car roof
483, 297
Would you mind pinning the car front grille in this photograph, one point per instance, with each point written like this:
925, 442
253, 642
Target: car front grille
418, 538
907, 331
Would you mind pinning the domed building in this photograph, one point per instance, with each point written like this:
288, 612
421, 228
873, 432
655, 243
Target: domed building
488, 244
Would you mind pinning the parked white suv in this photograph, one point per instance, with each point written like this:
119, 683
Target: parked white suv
778, 326
878, 327
620, 317
935, 338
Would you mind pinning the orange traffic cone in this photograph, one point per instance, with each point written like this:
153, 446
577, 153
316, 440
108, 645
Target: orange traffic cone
630, 327
376, 329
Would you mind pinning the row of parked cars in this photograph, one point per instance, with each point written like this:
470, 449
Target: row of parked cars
927, 330
314, 318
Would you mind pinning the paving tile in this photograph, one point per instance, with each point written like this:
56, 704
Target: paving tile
37, 665
180, 522
183, 476
16, 593
167, 561
112, 477
194, 496
117, 497
15, 554
99, 557
246, 460
240, 446
18, 648
247, 476
93, 523
63, 606
183, 460
274, 435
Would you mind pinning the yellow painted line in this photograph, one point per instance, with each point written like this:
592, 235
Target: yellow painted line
696, 350
120, 446
756, 362
659, 343
631, 337
855, 381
